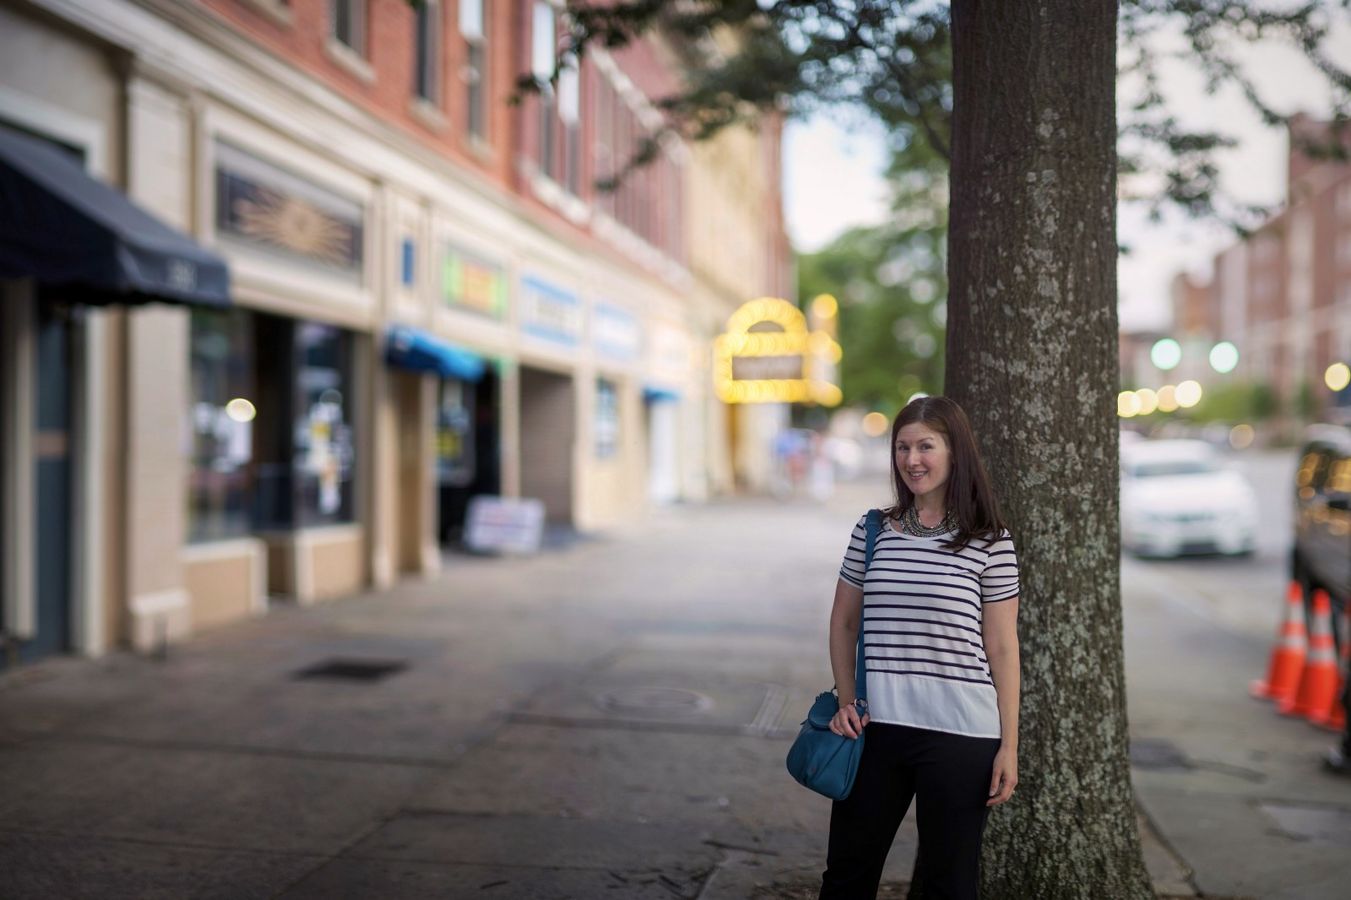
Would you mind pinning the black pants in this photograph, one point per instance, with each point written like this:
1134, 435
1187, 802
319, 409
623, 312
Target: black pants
949, 773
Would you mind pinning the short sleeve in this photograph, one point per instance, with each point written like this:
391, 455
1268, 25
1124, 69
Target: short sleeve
999, 581
854, 566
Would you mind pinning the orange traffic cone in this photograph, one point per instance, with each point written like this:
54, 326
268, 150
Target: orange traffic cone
1287, 657
1318, 683
1333, 717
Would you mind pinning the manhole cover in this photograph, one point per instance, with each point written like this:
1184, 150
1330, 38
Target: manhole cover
655, 702
1158, 755
353, 669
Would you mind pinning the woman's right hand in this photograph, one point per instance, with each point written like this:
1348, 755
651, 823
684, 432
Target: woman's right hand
848, 722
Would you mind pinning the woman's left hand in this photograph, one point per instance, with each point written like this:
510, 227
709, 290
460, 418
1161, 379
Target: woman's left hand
1004, 777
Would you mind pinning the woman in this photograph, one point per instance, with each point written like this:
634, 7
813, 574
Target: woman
939, 605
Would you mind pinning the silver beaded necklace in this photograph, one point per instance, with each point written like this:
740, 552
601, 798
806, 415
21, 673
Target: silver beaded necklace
910, 523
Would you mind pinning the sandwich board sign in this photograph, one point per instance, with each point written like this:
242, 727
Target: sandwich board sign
504, 524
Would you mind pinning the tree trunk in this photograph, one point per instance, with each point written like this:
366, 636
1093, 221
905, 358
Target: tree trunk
1032, 357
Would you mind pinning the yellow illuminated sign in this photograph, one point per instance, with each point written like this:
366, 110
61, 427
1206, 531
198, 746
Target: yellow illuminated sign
768, 337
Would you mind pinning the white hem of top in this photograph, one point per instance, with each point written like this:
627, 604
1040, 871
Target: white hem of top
997, 737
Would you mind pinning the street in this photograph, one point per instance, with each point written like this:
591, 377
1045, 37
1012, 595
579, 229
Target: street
604, 720
1233, 787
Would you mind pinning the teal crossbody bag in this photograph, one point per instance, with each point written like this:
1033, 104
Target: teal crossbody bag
820, 759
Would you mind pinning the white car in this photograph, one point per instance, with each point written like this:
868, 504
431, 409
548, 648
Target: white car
1179, 497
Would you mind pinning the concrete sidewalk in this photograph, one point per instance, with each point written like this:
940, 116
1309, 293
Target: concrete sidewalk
607, 720
1236, 789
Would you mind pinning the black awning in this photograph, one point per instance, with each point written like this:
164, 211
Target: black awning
59, 226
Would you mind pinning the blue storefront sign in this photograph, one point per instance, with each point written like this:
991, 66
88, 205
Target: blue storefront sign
615, 333
550, 312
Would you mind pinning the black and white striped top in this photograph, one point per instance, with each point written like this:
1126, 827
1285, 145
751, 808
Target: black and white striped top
922, 638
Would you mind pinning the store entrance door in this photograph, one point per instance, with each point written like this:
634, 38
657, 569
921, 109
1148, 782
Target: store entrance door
52, 486
548, 437
468, 448
663, 454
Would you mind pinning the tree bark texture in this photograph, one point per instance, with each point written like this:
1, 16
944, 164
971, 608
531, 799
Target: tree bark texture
1032, 357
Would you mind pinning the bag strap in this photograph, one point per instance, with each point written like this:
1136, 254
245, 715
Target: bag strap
874, 528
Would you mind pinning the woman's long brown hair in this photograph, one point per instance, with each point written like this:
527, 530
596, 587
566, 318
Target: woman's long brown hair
969, 493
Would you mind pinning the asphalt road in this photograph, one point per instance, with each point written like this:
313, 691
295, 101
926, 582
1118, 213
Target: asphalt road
1235, 789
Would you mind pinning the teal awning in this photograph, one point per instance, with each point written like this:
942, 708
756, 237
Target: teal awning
411, 348
655, 394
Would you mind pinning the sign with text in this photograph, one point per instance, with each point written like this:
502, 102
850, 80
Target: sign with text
550, 312
768, 355
615, 333
503, 525
669, 352
471, 282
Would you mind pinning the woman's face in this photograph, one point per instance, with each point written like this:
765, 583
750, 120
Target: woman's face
923, 458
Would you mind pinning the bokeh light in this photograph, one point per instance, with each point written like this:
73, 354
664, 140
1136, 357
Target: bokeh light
874, 424
1127, 404
1165, 354
1149, 401
240, 410
1167, 398
1337, 376
1241, 436
1188, 394
1223, 357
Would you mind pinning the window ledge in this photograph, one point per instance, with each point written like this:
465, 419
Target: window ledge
554, 195
349, 59
275, 10
479, 147
427, 112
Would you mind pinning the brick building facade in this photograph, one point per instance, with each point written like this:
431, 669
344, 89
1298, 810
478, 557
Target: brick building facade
358, 166
1283, 295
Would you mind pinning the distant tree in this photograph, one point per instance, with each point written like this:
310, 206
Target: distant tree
1265, 402
1306, 401
891, 281
1227, 403
894, 340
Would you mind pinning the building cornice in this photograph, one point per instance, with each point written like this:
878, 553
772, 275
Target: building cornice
151, 43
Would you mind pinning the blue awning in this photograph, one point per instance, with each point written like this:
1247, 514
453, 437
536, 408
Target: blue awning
654, 394
412, 348
59, 226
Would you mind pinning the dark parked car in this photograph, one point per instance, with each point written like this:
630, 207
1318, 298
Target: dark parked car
1322, 553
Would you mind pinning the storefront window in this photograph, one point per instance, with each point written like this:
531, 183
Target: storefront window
455, 435
607, 419
222, 419
304, 443
325, 457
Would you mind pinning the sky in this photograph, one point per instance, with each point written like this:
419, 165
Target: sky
833, 165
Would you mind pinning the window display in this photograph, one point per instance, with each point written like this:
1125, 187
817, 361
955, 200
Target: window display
221, 420
324, 452
607, 419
